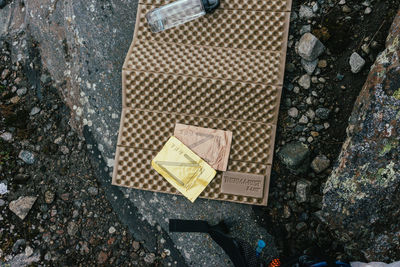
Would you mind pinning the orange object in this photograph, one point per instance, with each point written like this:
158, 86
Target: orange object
274, 263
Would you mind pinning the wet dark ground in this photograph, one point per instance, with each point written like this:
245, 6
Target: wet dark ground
342, 33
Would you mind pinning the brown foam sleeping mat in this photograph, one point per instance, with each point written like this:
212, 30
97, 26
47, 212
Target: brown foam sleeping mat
222, 71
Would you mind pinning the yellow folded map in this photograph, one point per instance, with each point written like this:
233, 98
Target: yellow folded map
182, 168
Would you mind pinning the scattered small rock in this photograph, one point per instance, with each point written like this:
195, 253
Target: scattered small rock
305, 81
356, 62
301, 226
27, 156
22, 206
2, 202
302, 190
367, 11
322, 113
320, 163
72, 228
49, 196
322, 64
304, 29
58, 140
93, 191
310, 114
286, 212
5, 73
295, 156
346, 9
47, 256
303, 119
310, 47
28, 251
309, 66
15, 99
22, 91
64, 150
112, 230
293, 112
102, 257
6, 136
34, 111
19, 243
306, 12
150, 258
365, 48
136, 245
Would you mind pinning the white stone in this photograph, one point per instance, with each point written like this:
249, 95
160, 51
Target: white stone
3, 189
306, 12
293, 112
356, 62
305, 81
6, 136
28, 251
112, 230
34, 111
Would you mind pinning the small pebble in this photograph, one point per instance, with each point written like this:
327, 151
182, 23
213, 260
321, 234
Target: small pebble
27, 156
15, 99
6, 136
22, 91
322, 63
49, 196
93, 191
34, 111
367, 11
303, 119
293, 112
346, 9
28, 251
112, 230
305, 81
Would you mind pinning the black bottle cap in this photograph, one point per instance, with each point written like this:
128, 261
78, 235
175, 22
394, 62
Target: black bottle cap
210, 5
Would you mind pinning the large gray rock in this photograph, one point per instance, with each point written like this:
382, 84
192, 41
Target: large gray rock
296, 157
310, 47
361, 197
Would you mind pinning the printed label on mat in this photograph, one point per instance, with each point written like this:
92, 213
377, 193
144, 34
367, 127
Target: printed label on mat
211, 145
243, 184
182, 168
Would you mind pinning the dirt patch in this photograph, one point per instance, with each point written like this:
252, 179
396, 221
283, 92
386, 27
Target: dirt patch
71, 223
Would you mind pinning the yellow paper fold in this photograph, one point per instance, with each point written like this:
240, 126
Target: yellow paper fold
182, 168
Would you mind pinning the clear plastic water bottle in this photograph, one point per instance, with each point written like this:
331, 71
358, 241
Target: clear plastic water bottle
179, 12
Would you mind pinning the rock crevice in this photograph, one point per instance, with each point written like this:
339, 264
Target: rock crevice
361, 197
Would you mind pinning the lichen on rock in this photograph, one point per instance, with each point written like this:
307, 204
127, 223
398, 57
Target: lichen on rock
361, 197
